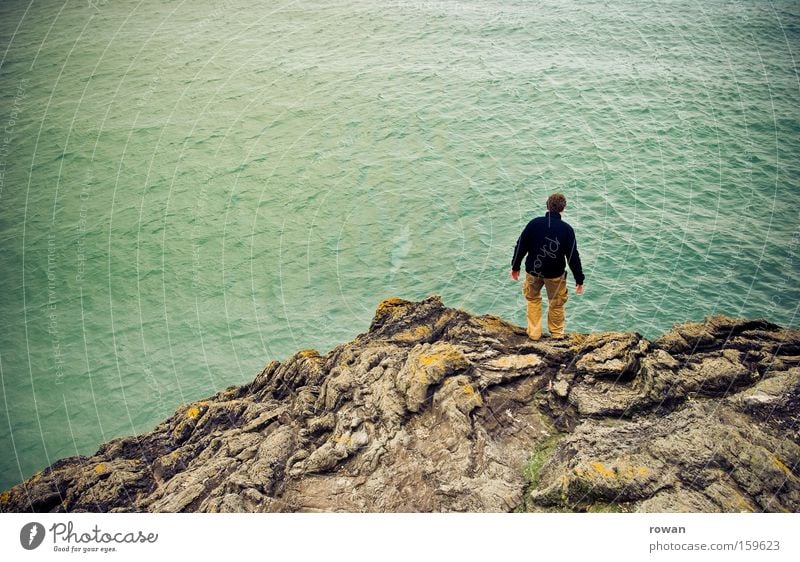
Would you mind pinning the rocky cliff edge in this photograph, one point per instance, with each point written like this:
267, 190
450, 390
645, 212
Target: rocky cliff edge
434, 409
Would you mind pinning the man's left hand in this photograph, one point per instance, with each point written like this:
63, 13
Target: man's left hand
515, 275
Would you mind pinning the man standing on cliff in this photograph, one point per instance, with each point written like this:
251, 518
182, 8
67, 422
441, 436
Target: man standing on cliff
549, 243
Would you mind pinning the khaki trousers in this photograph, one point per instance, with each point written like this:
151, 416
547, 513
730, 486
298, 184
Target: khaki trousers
556, 298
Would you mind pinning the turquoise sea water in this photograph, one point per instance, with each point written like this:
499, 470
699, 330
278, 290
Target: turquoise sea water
191, 189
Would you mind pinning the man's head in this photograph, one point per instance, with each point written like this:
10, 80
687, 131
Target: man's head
556, 203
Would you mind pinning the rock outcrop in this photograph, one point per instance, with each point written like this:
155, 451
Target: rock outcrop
433, 409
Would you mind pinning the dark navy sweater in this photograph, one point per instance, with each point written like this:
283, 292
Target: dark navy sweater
549, 244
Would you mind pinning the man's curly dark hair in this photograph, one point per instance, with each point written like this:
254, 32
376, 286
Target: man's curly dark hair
556, 203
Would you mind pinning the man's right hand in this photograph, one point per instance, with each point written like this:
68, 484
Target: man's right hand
578, 289
515, 275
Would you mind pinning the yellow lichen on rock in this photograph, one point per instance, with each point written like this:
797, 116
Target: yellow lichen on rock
457, 398
427, 360
389, 309
426, 365
444, 356
783, 468
620, 470
742, 503
601, 469
343, 439
473, 395
5, 497
387, 306
100, 468
416, 333
187, 420
564, 485
473, 398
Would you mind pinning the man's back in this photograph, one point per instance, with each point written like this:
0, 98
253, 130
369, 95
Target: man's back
549, 244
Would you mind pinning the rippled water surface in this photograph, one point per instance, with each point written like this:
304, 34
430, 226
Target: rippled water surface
193, 188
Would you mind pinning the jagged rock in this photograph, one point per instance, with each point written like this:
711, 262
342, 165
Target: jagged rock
427, 365
648, 464
433, 409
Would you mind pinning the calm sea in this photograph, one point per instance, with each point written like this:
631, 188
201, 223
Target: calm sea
192, 188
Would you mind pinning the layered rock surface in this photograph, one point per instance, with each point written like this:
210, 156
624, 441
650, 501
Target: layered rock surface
433, 409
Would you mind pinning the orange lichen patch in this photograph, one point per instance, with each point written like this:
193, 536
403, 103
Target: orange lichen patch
193, 412
783, 468
433, 366
464, 395
427, 365
308, 353
414, 334
472, 394
564, 481
390, 308
100, 468
5, 497
602, 470
447, 355
35, 477
427, 360
630, 472
387, 304
345, 439
621, 470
